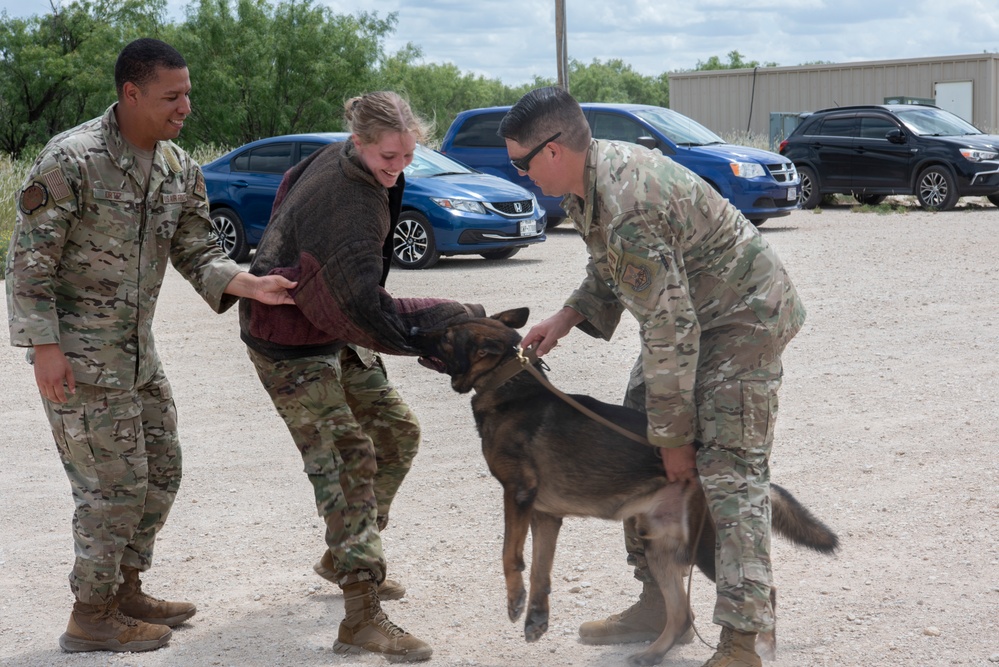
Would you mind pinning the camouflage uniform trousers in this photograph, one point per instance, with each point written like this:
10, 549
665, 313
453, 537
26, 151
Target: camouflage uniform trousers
735, 425
121, 452
357, 439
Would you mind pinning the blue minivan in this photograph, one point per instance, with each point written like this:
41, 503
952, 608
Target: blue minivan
759, 183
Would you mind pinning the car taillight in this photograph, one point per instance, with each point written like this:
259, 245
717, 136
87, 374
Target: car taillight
780, 149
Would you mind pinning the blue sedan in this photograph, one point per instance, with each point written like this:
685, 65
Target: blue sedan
447, 208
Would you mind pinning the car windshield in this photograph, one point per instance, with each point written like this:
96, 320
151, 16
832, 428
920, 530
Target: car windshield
936, 122
427, 162
679, 129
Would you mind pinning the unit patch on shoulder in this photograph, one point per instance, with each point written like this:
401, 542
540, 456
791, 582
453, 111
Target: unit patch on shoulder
637, 276
57, 184
33, 198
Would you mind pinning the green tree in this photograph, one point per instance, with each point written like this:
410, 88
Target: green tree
438, 92
259, 70
57, 70
735, 61
616, 81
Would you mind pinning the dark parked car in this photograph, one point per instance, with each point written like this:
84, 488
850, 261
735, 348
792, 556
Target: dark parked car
759, 183
893, 149
448, 209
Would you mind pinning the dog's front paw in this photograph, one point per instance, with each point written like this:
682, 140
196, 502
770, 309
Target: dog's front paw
515, 604
535, 625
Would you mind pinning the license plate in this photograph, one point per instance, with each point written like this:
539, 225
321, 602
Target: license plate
792, 194
528, 227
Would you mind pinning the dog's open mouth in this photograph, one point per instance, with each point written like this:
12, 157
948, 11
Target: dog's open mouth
433, 363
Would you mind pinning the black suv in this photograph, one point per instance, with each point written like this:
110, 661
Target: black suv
893, 149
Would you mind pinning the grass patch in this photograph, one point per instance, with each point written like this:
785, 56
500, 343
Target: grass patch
205, 153
12, 175
884, 208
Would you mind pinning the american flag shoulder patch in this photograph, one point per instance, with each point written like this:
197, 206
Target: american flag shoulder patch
57, 185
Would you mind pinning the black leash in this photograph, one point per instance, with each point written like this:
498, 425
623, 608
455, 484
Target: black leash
525, 360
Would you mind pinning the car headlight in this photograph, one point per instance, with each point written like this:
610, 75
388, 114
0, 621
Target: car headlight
978, 155
467, 205
747, 169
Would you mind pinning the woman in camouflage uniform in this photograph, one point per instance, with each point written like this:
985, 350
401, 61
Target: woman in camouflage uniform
330, 231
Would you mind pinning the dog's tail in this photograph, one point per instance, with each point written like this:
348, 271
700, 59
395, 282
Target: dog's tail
792, 521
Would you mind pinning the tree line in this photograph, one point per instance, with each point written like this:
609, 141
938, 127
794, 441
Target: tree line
257, 69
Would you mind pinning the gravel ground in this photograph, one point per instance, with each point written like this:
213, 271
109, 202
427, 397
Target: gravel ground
887, 432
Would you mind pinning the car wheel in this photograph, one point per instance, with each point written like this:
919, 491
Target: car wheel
228, 231
935, 189
505, 253
413, 245
810, 197
994, 199
869, 200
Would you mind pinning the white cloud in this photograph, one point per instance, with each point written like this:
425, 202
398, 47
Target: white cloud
514, 40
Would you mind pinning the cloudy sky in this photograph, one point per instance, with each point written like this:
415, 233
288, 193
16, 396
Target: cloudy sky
514, 40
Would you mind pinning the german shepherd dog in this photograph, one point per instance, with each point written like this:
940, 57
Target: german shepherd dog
554, 461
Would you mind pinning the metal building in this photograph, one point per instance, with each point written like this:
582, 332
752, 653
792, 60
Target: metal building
748, 100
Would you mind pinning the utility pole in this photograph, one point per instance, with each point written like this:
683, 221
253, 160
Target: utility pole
560, 45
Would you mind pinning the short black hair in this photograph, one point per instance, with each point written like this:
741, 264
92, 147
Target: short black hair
138, 61
541, 113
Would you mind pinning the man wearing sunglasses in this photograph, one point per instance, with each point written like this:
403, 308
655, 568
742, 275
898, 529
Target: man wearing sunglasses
715, 309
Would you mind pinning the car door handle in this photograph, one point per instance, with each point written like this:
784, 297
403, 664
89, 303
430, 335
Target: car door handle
240, 184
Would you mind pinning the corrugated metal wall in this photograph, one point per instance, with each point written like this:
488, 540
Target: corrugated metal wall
741, 100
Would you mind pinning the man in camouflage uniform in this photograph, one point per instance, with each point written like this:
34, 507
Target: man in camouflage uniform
715, 309
104, 208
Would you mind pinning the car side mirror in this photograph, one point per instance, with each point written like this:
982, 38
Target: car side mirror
648, 142
895, 136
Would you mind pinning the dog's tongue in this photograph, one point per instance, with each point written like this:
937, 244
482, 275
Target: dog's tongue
432, 363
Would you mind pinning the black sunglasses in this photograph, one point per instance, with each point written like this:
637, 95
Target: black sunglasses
524, 163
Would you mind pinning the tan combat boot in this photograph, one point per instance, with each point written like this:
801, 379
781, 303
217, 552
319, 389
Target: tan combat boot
366, 628
736, 649
133, 602
388, 590
641, 622
102, 627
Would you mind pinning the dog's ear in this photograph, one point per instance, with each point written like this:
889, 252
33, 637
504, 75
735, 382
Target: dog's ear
513, 318
492, 347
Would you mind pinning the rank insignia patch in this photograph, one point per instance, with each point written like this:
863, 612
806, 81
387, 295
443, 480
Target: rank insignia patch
199, 186
33, 198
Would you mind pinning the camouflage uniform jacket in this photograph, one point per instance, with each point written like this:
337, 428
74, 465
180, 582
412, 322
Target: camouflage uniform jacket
710, 295
91, 245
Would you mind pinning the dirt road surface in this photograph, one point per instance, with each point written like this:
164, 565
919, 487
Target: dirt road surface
888, 430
